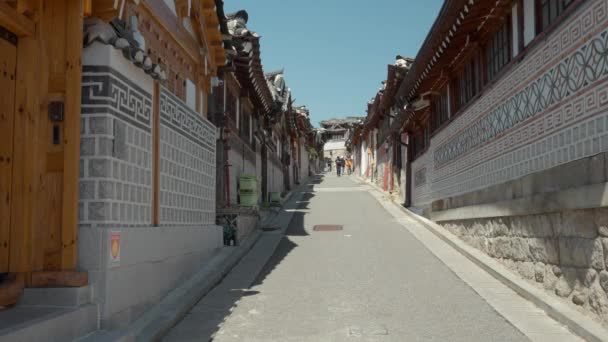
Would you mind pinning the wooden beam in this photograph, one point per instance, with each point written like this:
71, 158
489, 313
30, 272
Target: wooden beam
71, 169
11, 290
8, 62
25, 151
15, 22
59, 279
163, 15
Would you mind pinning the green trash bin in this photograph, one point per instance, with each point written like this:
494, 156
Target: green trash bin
248, 199
247, 183
275, 197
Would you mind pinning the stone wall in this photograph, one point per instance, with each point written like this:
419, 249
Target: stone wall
275, 174
116, 149
242, 160
116, 189
565, 253
187, 164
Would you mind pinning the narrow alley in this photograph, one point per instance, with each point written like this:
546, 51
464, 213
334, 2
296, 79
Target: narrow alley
371, 281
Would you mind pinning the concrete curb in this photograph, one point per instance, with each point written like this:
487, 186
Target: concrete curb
578, 323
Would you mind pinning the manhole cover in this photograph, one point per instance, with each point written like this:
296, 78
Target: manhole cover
327, 227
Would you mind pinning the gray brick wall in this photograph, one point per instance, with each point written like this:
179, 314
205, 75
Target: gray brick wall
187, 164
116, 151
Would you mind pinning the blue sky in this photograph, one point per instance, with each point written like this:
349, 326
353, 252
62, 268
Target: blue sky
335, 53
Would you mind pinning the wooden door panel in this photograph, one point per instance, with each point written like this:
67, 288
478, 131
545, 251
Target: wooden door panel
8, 61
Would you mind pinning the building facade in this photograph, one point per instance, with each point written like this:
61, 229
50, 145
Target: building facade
504, 114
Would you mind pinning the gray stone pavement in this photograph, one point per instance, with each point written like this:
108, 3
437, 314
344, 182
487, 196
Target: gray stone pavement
372, 281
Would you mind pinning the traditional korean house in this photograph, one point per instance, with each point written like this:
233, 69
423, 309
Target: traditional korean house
284, 126
108, 166
244, 102
335, 133
506, 115
306, 156
383, 151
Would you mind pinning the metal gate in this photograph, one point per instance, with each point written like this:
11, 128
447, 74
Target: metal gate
8, 62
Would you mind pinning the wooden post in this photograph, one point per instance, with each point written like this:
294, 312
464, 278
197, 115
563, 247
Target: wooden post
71, 169
25, 152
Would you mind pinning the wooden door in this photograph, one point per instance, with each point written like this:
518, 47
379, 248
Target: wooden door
8, 62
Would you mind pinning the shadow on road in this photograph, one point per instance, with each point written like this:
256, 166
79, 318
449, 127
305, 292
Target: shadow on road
206, 318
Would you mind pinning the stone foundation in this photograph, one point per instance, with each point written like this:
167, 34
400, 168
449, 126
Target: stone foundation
565, 253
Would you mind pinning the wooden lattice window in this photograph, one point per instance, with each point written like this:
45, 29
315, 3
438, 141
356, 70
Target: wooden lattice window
441, 113
549, 10
498, 50
468, 83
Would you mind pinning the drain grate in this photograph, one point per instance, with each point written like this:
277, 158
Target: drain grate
327, 227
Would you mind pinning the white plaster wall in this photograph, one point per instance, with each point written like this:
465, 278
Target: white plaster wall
153, 260
529, 21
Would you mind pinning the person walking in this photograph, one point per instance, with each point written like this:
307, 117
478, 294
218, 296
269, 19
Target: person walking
338, 165
349, 165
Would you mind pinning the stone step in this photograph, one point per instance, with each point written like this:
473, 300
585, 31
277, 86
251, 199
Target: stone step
51, 324
58, 297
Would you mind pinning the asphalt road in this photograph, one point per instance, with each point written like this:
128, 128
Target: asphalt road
372, 281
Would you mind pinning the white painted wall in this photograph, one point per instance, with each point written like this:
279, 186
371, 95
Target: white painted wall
529, 21
515, 30
191, 94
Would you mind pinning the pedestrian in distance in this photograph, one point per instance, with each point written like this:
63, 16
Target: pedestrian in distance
338, 166
349, 165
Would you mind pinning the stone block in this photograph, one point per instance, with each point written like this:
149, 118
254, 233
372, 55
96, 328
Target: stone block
105, 147
100, 168
120, 140
539, 272
81, 213
598, 301
86, 190
601, 221
544, 250
498, 227
563, 288
526, 269
531, 226
550, 279
100, 125
583, 253
119, 193
82, 170
99, 211
604, 280
115, 212
106, 190
579, 298
577, 223
87, 146
589, 277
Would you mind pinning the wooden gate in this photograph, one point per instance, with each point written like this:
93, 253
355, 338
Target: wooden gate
8, 63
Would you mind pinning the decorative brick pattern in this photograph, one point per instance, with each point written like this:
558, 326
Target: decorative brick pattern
548, 110
116, 150
420, 177
187, 164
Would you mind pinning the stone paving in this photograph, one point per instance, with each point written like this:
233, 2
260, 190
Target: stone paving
381, 278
